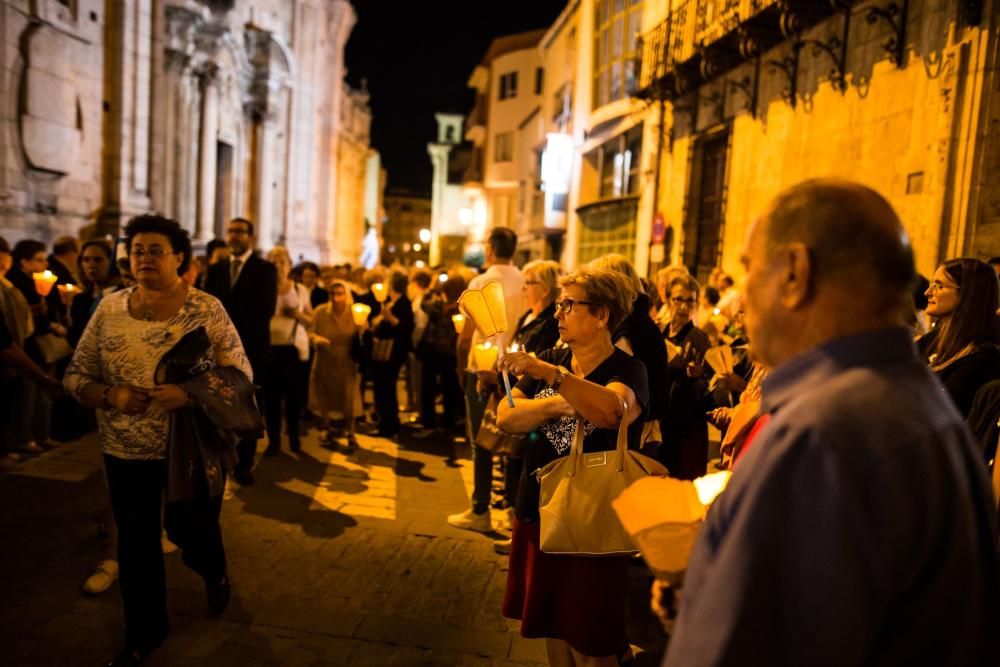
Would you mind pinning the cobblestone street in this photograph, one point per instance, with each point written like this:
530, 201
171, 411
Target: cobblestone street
334, 560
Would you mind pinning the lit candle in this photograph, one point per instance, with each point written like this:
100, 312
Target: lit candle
485, 355
44, 281
459, 322
380, 291
67, 292
360, 312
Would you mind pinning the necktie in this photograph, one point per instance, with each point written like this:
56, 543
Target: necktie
234, 272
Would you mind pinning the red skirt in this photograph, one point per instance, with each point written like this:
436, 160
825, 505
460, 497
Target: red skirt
578, 599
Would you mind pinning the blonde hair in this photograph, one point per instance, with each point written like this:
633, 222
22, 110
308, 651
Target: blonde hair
615, 262
605, 287
547, 272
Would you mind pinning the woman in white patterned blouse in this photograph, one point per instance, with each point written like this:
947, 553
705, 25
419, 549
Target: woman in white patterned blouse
113, 371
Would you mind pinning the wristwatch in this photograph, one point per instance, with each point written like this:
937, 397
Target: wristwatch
560, 375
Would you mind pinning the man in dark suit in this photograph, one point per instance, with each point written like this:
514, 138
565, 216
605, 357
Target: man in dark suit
248, 288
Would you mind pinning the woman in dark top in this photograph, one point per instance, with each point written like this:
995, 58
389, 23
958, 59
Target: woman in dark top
639, 336
94, 266
685, 430
577, 603
537, 330
962, 349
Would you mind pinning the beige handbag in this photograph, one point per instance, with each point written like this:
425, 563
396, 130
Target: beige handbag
576, 494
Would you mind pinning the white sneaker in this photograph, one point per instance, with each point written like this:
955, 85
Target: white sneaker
102, 578
167, 546
469, 520
31, 447
502, 547
230, 489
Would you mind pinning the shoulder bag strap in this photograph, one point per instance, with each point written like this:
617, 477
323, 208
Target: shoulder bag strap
576, 449
622, 437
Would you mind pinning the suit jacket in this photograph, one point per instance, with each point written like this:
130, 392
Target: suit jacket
402, 333
250, 304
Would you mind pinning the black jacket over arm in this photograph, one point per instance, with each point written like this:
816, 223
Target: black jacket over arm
250, 304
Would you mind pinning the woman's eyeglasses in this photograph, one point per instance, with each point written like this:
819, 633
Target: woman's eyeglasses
566, 305
680, 301
155, 253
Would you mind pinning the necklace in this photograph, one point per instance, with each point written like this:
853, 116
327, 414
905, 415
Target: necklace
145, 309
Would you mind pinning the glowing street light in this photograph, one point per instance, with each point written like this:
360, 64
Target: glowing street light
425, 236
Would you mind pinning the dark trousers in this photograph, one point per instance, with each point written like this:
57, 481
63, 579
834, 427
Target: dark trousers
512, 478
283, 390
385, 375
482, 458
136, 498
439, 374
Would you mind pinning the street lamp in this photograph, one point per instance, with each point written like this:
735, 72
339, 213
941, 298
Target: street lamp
425, 236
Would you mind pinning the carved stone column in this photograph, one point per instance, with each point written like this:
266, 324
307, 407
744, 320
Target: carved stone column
181, 25
260, 107
207, 78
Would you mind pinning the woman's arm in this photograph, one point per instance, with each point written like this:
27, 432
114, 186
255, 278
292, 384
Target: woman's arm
530, 413
305, 314
225, 341
601, 406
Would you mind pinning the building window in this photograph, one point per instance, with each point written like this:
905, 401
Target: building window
619, 164
616, 27
607, 227
508, 85
503, 147
539, 80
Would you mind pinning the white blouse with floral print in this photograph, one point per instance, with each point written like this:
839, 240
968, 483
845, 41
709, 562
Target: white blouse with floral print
118, 349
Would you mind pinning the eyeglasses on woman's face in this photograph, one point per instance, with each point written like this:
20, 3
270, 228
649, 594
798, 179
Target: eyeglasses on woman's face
156, 252
682, 301
565, 304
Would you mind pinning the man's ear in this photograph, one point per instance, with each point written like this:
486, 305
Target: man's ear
796, 287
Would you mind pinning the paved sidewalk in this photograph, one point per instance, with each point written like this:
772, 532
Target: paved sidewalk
334, 559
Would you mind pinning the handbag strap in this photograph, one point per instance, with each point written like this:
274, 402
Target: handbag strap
576, 449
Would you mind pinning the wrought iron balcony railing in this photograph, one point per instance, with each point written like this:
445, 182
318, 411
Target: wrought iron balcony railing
702, 39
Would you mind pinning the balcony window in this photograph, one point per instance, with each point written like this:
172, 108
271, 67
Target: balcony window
616, 27
619, 164
539, 80
503, 147
508, 86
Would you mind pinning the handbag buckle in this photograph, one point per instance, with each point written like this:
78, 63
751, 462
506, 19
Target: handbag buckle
595, 459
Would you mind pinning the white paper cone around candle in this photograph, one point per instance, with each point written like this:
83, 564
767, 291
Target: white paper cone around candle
67, 292
360, 312
663, 517
488, 310
380, 291
44, 280
459, 322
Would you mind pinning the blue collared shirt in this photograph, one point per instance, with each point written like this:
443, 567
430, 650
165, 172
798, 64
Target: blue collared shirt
860, 528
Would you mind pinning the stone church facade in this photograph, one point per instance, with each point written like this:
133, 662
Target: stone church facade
200, 110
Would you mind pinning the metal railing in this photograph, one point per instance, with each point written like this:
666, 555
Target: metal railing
690, 27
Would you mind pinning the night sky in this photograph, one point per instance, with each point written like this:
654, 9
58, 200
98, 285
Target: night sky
417, 56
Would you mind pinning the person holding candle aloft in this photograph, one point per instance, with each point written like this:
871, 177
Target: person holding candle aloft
392, 337
34, 407
333, 385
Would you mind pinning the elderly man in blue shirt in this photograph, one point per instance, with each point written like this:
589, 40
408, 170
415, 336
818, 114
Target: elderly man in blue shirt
860, 527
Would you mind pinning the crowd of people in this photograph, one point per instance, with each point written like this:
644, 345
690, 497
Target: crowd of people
857, 403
